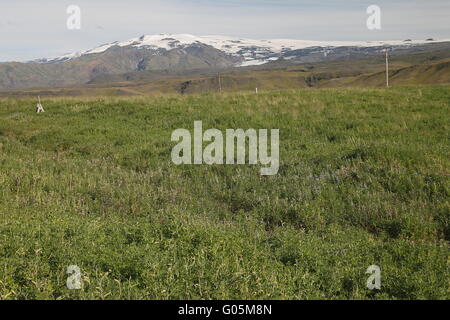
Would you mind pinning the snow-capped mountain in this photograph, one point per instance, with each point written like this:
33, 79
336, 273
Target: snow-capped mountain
250, 51
155, 56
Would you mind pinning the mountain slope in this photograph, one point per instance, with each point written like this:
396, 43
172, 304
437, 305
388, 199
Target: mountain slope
435, 72
273, 76
251, 51
115, 60
151, 56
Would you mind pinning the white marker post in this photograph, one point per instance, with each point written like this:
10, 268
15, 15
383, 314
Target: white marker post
39, 107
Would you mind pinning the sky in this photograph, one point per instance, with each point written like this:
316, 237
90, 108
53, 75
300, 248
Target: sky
31, 29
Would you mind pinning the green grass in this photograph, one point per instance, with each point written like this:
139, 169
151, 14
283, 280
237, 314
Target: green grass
364, 179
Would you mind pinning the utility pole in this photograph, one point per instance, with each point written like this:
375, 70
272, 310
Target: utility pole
220, 84
387, 68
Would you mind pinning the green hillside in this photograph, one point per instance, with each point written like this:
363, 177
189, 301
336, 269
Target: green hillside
428, 73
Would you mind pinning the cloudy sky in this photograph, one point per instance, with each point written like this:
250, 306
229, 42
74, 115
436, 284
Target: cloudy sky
32, 29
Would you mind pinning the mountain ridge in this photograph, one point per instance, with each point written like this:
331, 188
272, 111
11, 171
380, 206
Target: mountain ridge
253, 51
183, 54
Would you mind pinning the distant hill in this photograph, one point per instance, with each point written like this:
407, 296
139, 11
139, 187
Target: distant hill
428, 73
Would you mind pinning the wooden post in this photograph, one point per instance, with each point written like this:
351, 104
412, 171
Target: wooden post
220, 84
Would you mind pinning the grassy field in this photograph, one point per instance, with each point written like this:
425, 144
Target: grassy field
364, 180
